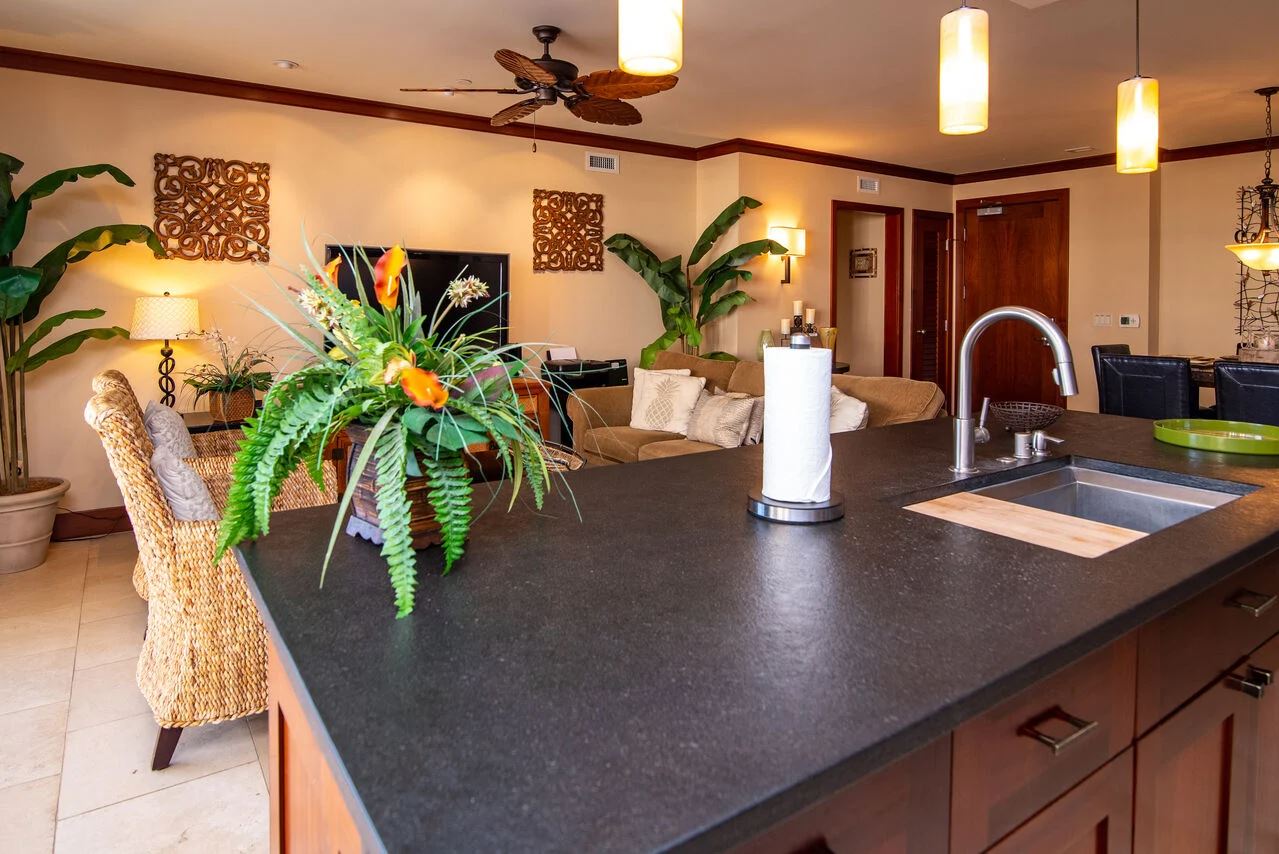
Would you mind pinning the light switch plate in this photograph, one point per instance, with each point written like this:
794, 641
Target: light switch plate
1101, 320
1130, 321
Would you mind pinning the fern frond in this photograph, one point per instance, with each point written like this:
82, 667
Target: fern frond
394, 515
450, 496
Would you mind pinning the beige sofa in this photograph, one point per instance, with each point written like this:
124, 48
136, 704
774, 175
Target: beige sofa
601, 416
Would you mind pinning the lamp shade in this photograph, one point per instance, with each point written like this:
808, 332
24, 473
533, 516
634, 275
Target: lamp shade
794, 239
1137, 126
164, 318
1262, 255
650, 36
964, 86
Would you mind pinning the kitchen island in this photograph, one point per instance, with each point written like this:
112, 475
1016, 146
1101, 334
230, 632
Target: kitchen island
671, 672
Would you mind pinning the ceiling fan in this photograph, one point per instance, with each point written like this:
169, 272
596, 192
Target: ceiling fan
598, 97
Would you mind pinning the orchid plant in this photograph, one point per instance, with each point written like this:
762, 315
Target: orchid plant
429, 394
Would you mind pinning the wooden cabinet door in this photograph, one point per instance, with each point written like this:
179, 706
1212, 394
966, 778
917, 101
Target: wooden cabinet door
1095, 817
1196, 777
1266, 827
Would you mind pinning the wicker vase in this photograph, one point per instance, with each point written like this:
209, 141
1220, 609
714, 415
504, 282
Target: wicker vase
232, 405
364, 521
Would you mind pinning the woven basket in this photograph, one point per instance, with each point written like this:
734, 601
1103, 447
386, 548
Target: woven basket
232, 405
364, 520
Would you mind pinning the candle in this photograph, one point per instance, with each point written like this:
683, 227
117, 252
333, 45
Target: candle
799, 307
785, 327
810, 316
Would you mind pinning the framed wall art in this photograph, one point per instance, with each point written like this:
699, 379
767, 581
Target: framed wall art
210, 209
863, 263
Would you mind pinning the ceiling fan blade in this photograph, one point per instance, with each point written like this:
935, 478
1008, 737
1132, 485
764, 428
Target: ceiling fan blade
616, 83
605, 111
451, 89
521, 66
515, 112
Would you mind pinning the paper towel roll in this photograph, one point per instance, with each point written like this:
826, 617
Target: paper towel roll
797, 455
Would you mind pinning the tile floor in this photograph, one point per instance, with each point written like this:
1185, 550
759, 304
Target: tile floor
76, 737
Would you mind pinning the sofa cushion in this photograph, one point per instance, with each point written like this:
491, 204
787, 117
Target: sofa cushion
622, 444
748, 378
720, 419
674, 448
715, 371
665, 401
892, 400
846, 412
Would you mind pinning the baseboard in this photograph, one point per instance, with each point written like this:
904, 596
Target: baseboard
79, 524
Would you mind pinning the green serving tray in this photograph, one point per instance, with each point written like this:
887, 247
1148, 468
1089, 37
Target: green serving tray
1230, 437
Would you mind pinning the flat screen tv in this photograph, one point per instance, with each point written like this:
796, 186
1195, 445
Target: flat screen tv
431, 273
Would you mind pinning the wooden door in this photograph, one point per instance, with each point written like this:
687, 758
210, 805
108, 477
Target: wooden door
1196, 777
930, 297
1266, 829
1014, 252
1095, 817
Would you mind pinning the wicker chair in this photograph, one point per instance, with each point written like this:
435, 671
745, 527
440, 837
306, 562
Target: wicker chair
204, 656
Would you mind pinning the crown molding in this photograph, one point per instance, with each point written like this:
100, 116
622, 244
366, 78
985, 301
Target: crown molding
178, 81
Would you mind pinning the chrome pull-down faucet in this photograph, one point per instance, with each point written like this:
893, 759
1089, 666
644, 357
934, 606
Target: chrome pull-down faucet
1063, 374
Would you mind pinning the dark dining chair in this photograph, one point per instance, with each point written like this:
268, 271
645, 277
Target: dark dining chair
1099, 350
1145, 386
1248, 391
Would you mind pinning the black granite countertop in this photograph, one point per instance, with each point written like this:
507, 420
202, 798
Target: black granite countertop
672, 672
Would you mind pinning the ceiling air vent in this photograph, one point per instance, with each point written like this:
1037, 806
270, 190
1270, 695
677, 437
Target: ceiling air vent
598, 161
867, 185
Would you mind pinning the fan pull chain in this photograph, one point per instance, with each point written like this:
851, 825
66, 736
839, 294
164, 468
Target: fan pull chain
535, 133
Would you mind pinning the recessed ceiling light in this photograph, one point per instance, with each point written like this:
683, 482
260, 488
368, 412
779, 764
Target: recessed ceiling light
1081, 149
286, 64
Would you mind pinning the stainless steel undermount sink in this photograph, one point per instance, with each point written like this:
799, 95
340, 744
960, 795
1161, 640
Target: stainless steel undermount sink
1135, 503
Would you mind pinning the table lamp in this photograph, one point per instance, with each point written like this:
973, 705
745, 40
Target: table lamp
163, 319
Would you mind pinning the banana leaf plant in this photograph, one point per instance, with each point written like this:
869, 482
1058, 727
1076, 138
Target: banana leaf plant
24, 288
689, 304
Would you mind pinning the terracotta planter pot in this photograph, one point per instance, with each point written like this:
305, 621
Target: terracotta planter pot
232, 405
26, 523
364, 520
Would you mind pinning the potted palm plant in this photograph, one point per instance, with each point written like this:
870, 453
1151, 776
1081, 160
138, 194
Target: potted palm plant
28, 503
416, 395
233, 381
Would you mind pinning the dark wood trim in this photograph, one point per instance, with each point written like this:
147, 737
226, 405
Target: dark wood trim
917, 287
179, 81
821, 158
894, 241
112, 72
81, 524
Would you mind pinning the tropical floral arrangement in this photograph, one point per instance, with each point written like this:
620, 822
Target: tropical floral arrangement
232, 371
427, 392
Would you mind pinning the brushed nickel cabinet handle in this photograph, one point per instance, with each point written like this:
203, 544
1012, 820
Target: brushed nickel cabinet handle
1253, 689
1260, 675
1082, 728
1252, 602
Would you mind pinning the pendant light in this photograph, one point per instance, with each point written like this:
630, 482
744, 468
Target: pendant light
1137, 119
1260, 251
964, 91
650, 36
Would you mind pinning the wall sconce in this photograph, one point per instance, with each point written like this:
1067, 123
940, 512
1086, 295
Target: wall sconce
794, 240
164, 319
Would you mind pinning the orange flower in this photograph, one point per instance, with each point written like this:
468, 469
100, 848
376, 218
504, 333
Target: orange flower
331, 269
386, 276
424, 388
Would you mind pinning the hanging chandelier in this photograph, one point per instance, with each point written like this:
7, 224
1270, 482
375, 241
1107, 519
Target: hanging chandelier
1260, 251
1137, 118
964, 86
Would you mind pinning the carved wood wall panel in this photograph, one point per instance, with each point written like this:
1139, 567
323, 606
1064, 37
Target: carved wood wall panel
211, 209
568, 231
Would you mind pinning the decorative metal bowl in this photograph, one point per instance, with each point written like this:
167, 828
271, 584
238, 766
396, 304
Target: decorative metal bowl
1022, 416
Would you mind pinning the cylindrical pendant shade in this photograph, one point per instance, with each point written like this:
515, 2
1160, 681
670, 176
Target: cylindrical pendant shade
965, 72
1137, 126
164, 318
650, 36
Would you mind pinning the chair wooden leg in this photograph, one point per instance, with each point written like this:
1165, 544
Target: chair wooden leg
165, 744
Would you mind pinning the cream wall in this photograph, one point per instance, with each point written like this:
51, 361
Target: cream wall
860, 302
1110, 264
333, 178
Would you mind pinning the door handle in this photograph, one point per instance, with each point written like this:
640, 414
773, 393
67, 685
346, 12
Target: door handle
921, 331
1082, 728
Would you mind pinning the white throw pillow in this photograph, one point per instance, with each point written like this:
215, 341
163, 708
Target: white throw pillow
167, 430
665, 402
720, 419
846, 412
641, 379
187, 493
